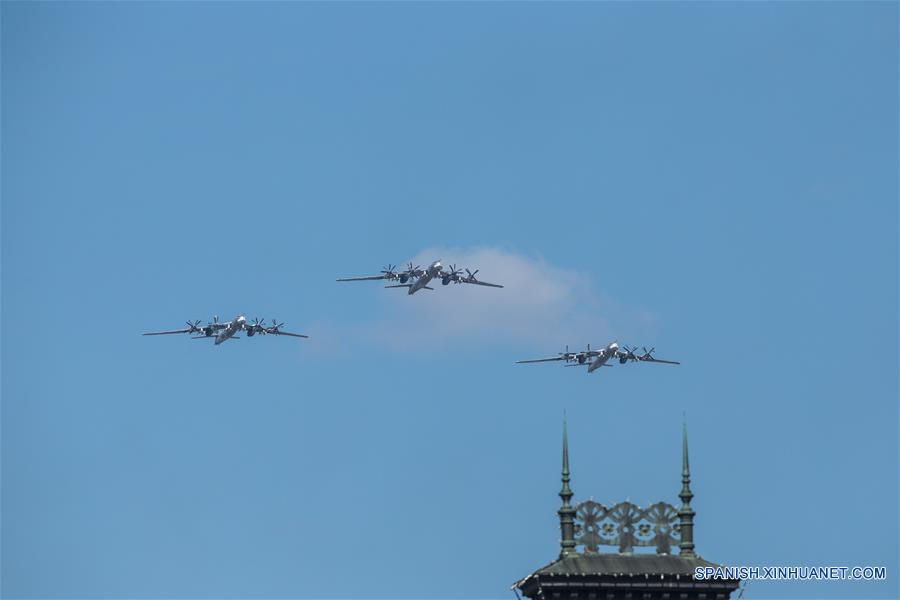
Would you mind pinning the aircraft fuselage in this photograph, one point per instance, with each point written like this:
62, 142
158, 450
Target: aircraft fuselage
232, 328
426, 278
603, 357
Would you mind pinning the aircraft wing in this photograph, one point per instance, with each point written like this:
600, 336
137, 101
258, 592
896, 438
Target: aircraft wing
168, 332
366, 278
659, 360
299, 335
408, 285
476, 282
538, 360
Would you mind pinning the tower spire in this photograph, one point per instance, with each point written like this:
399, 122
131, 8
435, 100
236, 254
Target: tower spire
566, 512
686, 513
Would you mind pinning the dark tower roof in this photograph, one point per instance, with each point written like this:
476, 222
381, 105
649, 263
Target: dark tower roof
589, 524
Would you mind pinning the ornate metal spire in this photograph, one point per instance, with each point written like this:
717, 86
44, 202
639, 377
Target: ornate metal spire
566, 512
686, 513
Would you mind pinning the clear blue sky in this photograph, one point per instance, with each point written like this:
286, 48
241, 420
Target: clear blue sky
715, 180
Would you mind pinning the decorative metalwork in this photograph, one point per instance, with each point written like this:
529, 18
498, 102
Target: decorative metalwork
626, 525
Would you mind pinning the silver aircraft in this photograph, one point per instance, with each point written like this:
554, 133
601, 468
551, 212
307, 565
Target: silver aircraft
420, 278
220, 332
594, 359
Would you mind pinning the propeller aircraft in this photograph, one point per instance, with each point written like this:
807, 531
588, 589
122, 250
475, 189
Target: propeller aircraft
594, 359
416, 278
226, 331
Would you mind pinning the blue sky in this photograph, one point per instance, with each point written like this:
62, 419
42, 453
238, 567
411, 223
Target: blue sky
715, 180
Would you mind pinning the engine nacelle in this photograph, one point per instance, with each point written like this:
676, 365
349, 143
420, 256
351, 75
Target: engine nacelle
581, 359
208, 331
251, 332
623, 360
445, 280
404, 278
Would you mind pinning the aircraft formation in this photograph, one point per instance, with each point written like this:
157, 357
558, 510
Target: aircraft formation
414, 279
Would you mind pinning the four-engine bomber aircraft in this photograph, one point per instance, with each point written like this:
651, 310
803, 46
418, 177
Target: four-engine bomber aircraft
594, 359
421, 278
226, 331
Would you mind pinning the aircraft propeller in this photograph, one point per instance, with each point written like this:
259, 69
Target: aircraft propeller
194, 327
451, 275
211, 327
389, 271
454, 271
628, 355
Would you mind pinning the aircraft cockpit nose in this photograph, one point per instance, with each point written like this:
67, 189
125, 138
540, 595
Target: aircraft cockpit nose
437, 264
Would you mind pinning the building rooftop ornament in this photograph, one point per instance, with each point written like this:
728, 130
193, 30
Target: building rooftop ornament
566, 512
590, 525
686, 513
627, 526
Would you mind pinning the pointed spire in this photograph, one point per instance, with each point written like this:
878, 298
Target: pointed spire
566, 492
566, 512
686, 513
